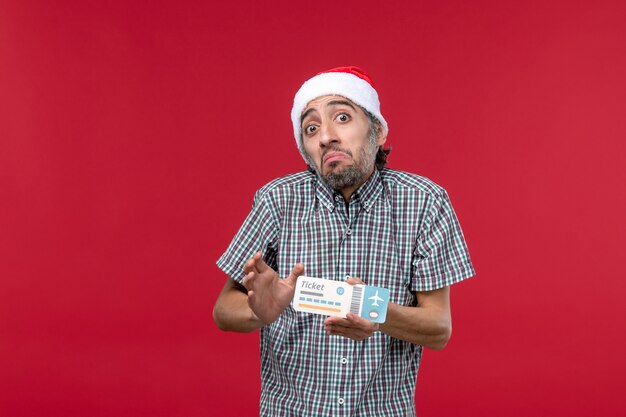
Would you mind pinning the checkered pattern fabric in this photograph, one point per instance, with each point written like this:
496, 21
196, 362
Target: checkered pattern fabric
399, 231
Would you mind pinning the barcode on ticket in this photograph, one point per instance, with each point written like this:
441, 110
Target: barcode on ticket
357, 297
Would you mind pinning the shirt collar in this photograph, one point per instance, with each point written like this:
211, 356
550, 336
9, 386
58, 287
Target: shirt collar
366, 194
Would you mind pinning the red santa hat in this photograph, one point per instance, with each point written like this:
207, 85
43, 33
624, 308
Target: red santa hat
350, 82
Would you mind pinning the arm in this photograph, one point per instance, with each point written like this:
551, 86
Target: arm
428, 324
439, 249
259, 301
232, 312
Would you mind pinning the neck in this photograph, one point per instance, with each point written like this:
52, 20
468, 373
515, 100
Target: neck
347, 191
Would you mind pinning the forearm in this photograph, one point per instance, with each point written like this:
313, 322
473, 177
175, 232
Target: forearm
417, 326
428, 324
232, 312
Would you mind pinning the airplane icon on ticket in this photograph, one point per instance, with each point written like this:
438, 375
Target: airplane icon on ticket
376, 299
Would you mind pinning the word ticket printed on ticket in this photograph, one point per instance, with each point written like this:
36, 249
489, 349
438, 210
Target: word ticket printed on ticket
338, 298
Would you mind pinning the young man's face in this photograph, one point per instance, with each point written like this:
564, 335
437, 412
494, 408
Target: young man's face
335, 135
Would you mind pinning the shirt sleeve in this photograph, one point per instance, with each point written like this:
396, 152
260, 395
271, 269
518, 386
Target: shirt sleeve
441, 257
259, 232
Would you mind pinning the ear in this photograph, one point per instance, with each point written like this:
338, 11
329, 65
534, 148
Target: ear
382, 136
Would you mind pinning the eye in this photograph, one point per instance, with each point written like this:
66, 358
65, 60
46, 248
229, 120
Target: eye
310, 129
343, 117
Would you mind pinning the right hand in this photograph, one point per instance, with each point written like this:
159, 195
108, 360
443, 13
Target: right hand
268, 294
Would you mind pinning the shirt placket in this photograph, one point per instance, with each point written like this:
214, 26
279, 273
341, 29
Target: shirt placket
343, 401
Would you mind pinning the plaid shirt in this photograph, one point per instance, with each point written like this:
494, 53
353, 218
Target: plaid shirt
399, 231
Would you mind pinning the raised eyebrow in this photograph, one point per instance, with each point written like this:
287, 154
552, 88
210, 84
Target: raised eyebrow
305, 114
340, 103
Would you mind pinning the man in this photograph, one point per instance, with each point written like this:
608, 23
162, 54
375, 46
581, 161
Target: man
347, 217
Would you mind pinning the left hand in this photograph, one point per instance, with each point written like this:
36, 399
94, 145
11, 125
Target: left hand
353, 326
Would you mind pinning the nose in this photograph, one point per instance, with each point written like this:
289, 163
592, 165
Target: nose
328, 135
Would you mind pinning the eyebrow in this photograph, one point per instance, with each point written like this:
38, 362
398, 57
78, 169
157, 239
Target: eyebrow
330, 103
339, 103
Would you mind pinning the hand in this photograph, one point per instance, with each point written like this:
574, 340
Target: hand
353, 326
268, 294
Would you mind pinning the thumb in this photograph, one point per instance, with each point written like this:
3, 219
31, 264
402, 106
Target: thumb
354, 281
298, 269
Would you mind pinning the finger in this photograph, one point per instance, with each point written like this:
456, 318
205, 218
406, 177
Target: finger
251, 299
248, 280
336, 321
350, 321
355, 320
352, 333
298, 269
249, 265
259, 263
361, 323
354, 281
339, 328
253, 264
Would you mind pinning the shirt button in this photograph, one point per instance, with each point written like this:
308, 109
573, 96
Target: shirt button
336, 198
349, 232
344, 361
340, 401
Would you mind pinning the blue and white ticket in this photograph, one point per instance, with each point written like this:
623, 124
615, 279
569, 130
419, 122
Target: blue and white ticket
338, 298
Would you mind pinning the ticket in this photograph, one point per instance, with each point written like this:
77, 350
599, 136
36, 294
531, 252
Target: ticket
338, 298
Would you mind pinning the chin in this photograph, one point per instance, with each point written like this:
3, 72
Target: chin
336, 168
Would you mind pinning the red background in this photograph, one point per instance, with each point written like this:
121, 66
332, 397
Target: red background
134, 134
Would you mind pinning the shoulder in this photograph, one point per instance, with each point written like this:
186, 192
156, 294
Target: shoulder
406, 182
286, 186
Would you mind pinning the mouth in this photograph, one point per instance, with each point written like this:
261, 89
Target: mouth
334, 156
